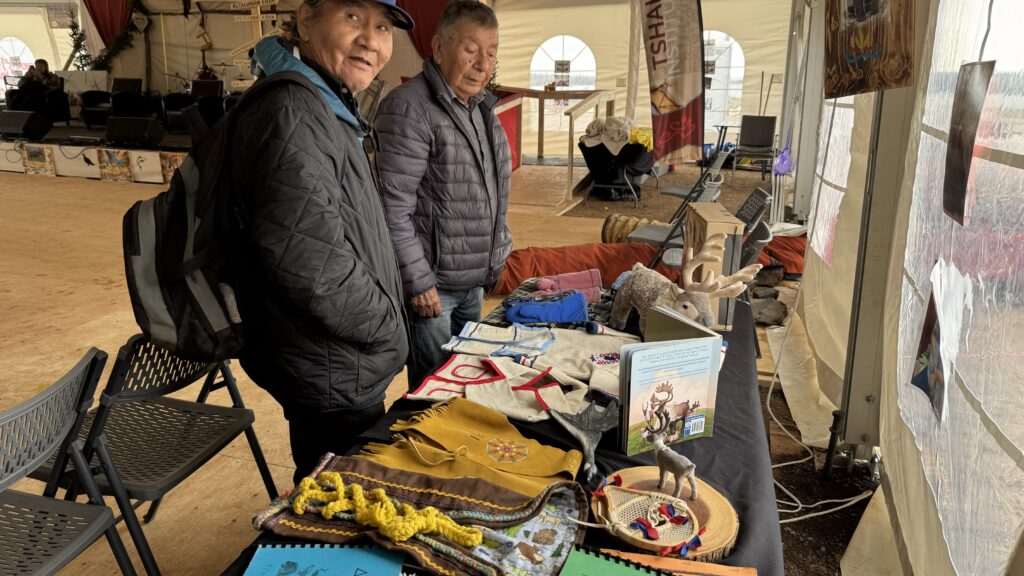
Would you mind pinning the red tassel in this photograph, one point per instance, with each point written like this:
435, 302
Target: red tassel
645, 527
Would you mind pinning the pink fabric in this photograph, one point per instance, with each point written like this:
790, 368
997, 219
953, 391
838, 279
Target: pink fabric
588, 282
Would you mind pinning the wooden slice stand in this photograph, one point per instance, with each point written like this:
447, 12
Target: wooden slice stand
713, 511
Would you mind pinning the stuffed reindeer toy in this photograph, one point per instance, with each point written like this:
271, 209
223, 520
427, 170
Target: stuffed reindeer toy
646, 288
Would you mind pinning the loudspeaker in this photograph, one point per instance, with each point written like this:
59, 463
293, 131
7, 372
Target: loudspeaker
140, 132
28, 125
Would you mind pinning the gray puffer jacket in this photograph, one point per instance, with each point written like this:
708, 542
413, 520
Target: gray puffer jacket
438, 207
319, 288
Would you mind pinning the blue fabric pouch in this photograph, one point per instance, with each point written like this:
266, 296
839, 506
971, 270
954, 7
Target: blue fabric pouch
571, 309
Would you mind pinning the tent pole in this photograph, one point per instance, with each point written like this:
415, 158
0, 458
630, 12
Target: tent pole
633, 68
149, 59
163, 41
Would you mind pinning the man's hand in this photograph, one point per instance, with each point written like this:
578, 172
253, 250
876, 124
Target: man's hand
428, 304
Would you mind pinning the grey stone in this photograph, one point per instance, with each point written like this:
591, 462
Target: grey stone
770, 312
764, 292
770, 276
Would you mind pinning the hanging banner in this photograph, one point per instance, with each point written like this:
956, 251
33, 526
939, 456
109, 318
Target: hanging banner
869, 46
675, 65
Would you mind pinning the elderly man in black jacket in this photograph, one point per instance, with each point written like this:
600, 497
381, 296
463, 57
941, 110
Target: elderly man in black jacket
319, 289
445, 166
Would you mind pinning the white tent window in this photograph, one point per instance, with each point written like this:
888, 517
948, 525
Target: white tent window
565, 60
15, 58
724, 65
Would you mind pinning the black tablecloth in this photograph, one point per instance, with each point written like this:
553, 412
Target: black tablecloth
735, 460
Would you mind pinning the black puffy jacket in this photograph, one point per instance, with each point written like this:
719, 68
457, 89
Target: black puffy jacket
319, 290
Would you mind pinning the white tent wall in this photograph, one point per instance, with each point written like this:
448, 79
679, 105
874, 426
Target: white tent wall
405, 61
602, 25
957, 482
31, 25
838, 188
761, 28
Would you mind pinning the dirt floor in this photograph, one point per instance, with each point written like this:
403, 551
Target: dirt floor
813, 547
659, 206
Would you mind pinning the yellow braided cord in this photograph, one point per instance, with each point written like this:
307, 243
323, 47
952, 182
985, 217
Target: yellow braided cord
329, 496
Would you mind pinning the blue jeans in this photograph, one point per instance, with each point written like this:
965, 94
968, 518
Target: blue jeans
427, 335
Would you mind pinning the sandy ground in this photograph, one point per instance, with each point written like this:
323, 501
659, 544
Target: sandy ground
654, 205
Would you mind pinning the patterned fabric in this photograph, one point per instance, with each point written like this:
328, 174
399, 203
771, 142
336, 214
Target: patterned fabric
502, 384
521, 533
565, 349
538, 546
605, 359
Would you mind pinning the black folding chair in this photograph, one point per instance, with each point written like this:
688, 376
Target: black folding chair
753, 208
126, 85
156, 442
753, 245
38, 534
756, 142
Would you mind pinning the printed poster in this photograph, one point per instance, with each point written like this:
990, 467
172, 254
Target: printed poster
39, 160
673, 42
169, 162
971, 88
869, 46
115, 165
929, 375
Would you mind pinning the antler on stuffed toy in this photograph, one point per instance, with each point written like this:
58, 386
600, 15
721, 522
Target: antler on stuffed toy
715, 286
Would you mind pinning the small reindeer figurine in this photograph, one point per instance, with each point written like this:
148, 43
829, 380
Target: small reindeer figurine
646, 288
680, 466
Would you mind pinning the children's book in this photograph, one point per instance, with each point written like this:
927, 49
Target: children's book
668, 384
324, 560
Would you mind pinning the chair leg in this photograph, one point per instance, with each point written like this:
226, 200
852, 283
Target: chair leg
208, 385
120, 553
261, 462
113, 538
745, 297
757, 342
127, 510
151, 513
250, 434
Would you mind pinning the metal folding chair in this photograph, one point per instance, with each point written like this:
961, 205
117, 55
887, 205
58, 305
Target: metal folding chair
156, 442
38, 534
756, 141
753, 245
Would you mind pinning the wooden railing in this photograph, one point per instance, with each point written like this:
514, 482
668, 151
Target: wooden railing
590, 99
544, 95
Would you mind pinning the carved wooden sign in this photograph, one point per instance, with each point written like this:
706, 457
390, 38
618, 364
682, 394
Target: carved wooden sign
869, 46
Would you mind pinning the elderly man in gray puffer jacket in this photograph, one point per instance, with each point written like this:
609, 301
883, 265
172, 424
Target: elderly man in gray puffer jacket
445, 166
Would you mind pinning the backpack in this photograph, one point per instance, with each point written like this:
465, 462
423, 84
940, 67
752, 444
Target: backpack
178, 245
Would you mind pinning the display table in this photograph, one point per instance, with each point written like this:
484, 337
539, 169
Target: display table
735, 460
